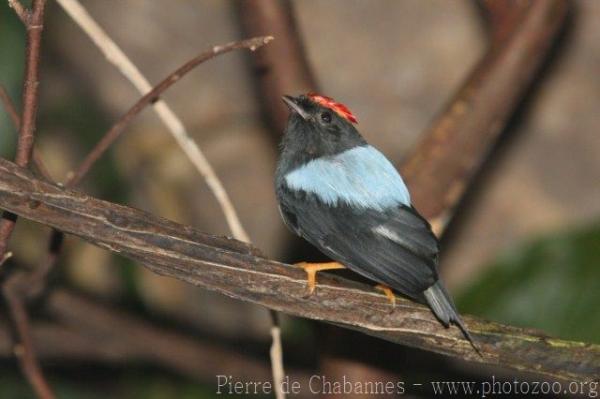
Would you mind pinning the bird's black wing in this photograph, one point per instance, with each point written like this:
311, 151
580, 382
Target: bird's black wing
394, 247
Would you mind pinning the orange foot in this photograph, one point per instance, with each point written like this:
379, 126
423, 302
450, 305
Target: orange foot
311, 270
388, 293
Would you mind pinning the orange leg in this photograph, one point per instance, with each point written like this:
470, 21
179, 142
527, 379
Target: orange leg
388, 293
311, 270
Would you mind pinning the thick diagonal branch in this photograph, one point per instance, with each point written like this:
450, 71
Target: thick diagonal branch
442, 165
282, 68
238, 270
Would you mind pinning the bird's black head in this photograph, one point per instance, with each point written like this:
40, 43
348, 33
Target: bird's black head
317, 127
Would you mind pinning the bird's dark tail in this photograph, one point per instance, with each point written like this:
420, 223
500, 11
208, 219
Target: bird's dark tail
443, 307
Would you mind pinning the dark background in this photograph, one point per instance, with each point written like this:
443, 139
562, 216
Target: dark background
524, 250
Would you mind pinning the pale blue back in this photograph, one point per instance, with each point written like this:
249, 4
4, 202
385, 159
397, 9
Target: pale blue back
360, 177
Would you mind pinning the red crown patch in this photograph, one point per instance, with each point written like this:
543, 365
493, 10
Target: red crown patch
330, 103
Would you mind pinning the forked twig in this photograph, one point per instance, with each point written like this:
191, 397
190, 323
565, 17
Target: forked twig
23, 13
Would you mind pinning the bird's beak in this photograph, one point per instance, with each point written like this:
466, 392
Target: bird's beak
293, 105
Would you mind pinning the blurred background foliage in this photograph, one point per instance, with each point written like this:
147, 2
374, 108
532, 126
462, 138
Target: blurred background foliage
525, 250
550, 284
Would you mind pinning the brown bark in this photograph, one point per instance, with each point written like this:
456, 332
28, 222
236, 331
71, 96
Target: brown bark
238, 270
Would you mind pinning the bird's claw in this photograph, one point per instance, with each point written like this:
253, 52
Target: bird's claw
311, 270
388, 293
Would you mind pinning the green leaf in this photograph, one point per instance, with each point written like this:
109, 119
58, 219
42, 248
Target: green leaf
552, 284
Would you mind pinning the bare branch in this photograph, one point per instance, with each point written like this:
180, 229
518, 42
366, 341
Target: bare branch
10, 108
276, 354
21, 11
24, 349
282, 68
452, 151
238, 270
40, 166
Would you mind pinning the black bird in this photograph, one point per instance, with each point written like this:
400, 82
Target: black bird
345, 198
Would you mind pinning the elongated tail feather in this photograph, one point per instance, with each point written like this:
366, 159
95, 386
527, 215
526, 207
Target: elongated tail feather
444, 309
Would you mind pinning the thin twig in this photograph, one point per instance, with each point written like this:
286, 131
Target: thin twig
7, 256
40, 166
10, 108
35, 281
118, 58
238, 270
16, 284
30, 85
276, 355
24, 350
23, 13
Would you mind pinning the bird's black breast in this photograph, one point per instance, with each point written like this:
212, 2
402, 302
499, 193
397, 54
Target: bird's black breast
395, 246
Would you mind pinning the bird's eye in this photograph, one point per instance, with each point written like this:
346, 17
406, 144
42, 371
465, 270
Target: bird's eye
326, 117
